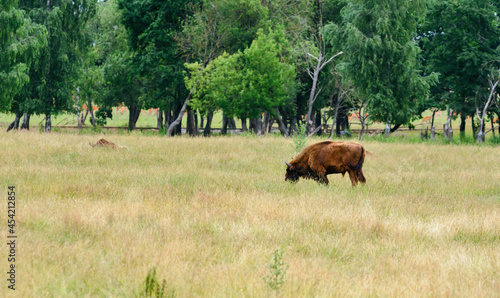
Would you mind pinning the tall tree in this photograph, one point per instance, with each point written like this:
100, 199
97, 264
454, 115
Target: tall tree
459, 39
106, 77
217, 26
246, 83
381, 56
21, 42
152, 26
50, 87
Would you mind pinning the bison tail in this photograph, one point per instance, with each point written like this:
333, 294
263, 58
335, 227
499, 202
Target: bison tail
360, 162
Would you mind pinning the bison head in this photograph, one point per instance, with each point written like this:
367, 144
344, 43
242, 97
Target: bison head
292, 174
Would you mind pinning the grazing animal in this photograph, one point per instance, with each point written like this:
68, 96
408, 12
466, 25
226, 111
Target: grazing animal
107, 144
324, 158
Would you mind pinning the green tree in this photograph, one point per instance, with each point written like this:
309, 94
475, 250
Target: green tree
152, 26
21, 42
51, 80
216, 26
459, 39
122, 86
245, 84
110, 44
381, 56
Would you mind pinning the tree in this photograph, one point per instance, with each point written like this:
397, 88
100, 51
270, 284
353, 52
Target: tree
381, 56
50, 87
122, 86
459, 39
152, 26
105, 71
493, 81
21, 42
217, 26
245, 84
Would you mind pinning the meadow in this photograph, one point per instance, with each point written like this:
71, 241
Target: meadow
208, 213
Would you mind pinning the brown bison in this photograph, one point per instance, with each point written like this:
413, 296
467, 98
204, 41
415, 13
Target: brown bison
321, 159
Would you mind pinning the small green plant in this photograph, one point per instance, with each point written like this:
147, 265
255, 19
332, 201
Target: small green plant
277, 270
152, 288
299, 140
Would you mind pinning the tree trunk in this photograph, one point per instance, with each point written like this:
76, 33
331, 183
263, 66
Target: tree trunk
281, 125
232, 123
387, 130
190, 123
362, 119
482, 115
159, 119
480, 133
85, 117
92, 118
79, 117
179, 117
293, 125
48, 123
202, 120
462, 124
265, 123
433, 129
15, 124
223, 131
342, 121
318, 123
258, 126
252, 125
396, 126
134, 113
208, 126
244, 124
312, 97
196, 127
447, 130
473, 126
26, 121
492, 125
335, 115
168, 116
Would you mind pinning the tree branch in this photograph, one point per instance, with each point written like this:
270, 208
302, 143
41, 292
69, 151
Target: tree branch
179, 117
314, 131
323, 65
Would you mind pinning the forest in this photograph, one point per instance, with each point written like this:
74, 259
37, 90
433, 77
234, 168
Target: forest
302, 64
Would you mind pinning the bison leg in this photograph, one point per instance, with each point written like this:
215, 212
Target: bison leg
354, 177
361, 177
323, 178
320, 172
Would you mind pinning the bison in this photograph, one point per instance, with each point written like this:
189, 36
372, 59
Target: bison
324, 158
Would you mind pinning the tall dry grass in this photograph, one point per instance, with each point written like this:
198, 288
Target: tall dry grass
209, 212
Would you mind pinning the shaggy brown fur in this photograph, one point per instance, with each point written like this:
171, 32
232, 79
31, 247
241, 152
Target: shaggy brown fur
324, 158
107, 144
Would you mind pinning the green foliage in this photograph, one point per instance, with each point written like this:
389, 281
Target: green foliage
152, 26
299, 139
381, 56
244, 84
52, 76
21, 42
460, 39
152, 288
122, 83
277, 270
221, 25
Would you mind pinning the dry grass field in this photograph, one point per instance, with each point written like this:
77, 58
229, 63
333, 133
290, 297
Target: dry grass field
208, 213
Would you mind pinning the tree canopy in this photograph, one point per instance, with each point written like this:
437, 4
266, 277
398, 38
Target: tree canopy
253, 60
